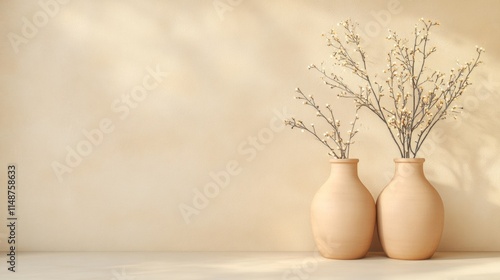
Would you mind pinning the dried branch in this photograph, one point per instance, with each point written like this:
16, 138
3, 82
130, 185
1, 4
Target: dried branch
417, 98
332, 138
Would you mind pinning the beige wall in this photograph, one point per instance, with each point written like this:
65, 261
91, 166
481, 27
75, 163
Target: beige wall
231, 75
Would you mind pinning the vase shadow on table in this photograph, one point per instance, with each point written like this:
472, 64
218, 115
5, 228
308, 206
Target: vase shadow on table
445, 256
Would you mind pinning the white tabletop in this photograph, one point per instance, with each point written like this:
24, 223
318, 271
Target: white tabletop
246, 265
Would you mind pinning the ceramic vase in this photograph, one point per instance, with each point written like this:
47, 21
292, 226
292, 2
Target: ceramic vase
410, 213
343, 213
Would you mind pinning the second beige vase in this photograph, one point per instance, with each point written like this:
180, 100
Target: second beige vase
410, 213
343, 213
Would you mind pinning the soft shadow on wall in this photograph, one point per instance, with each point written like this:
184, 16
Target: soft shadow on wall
465, 167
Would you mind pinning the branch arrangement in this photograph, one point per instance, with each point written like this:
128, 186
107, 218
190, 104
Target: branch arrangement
410, 101
332, 139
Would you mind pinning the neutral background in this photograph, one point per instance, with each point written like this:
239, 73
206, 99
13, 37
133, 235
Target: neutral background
232, 67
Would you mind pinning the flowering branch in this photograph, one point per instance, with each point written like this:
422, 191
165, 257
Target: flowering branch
332, 138
413, 98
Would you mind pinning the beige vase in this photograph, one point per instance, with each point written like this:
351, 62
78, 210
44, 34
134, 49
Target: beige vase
343, 213
410, 213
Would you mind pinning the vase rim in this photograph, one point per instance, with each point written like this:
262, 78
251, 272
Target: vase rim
344, 160
409, 160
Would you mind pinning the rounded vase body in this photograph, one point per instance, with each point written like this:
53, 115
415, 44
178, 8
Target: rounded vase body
410, 213
343, 213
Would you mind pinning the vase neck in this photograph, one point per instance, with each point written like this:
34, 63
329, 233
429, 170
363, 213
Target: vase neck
409, 167
344, 167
